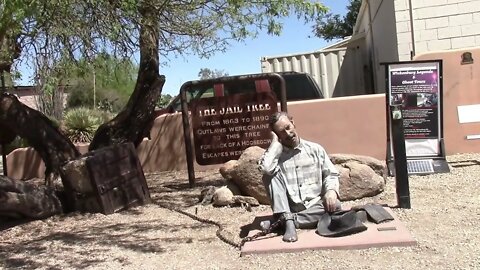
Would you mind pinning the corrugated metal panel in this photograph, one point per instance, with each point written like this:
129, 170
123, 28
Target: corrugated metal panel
324, 66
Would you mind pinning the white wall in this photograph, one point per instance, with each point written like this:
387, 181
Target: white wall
438, 25
385, 38
376, 21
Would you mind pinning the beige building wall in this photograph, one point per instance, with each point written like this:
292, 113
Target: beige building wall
438, 25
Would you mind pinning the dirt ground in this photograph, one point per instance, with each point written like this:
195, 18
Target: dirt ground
444, 219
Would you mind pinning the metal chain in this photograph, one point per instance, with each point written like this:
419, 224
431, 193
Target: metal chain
272, 227
220, 226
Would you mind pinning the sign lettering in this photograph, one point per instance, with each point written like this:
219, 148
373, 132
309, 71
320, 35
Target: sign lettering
225, 126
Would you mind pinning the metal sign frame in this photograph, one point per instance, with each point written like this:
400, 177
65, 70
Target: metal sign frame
417, 88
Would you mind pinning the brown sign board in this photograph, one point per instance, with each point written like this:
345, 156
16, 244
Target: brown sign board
225, 126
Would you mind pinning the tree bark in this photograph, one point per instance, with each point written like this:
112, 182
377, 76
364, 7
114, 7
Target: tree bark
130, 124
54, 148
21, 199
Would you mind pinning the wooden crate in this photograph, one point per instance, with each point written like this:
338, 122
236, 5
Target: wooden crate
117, 178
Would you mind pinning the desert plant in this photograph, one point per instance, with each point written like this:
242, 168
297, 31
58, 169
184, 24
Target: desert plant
81, 123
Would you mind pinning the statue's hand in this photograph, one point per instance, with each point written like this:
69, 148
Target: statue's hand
275, 147
330, 200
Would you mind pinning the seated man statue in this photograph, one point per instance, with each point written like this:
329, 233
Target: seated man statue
299, 177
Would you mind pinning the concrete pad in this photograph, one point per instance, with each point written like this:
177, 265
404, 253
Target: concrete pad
392, 233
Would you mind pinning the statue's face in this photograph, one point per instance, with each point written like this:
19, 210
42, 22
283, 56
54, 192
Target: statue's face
285, 130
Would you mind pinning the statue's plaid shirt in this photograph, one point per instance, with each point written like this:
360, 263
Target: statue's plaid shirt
306, 170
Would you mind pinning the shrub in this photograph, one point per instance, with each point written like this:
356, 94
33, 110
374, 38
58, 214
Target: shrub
80, 96
109, 99
81, 123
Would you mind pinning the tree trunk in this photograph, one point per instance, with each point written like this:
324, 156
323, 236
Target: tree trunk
21, 199
131, 123
54, 147
17, 198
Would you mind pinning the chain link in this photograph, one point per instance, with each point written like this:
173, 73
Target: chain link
272, 227
220, 229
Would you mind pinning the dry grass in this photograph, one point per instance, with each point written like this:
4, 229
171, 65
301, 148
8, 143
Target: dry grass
444, 219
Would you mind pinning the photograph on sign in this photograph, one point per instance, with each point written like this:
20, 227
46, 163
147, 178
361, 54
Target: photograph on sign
225, 126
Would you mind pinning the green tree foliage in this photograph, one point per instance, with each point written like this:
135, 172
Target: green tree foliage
114, 82
76, 29
206, 73
332, 26
164, 100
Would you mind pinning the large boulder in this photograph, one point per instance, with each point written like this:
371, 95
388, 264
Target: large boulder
245, 174
360, 176
376, 165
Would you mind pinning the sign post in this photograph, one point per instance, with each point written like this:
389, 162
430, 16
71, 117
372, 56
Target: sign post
401, 170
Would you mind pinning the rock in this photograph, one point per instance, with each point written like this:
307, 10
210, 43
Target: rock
378, 166
245, 174
238, 199
227, 169
222, 197
76, 175
233, 187
360, 176
206, 195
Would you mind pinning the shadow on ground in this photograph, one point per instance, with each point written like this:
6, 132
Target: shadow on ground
91, 244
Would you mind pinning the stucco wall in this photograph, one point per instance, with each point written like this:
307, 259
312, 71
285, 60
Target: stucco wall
352, 125
437, 24
461, 86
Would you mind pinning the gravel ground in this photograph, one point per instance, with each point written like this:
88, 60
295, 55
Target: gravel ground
444, 219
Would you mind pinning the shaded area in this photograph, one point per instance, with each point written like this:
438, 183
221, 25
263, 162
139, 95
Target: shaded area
88, 239
75, 246
464, 163
41, 133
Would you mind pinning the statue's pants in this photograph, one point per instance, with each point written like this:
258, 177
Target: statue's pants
305, 218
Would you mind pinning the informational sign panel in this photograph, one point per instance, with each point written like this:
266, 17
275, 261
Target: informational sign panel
225, 126
416, 88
